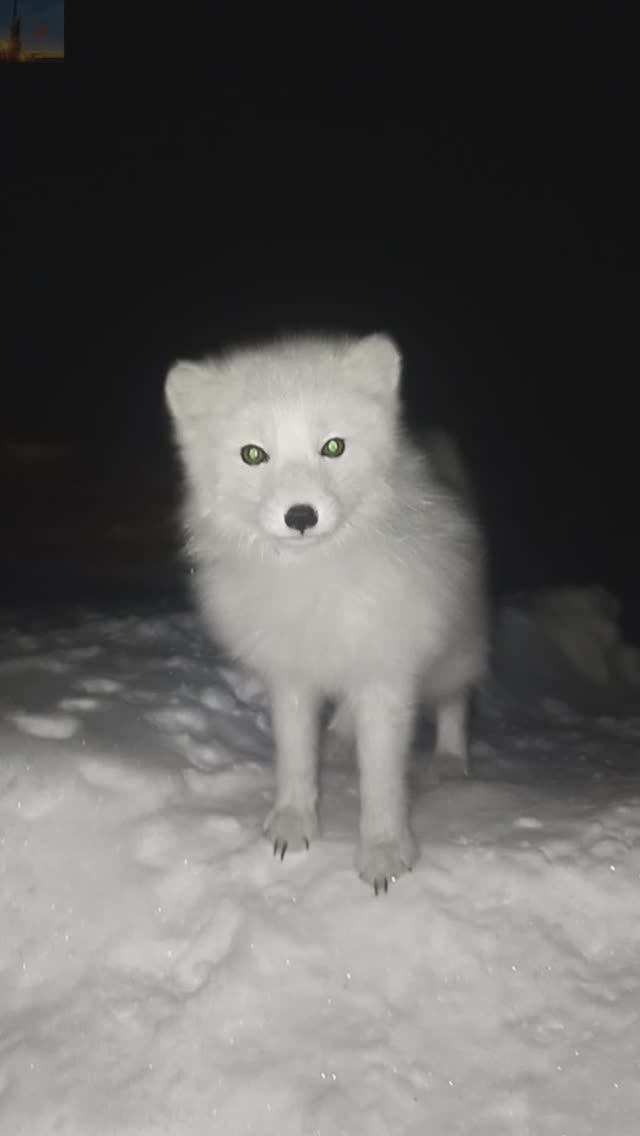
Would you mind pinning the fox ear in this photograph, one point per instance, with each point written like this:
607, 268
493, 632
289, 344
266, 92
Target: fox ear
374, 364
188, 389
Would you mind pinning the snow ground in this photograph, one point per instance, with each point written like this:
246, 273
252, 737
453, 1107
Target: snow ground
162, 973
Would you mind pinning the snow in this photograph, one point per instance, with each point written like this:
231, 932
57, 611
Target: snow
161, 972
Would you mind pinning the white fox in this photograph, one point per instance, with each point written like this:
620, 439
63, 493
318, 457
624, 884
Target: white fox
337, 561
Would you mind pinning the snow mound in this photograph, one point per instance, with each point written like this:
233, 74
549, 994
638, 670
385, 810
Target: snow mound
585, 624
567, 642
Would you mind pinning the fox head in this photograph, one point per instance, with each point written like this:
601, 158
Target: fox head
288, 443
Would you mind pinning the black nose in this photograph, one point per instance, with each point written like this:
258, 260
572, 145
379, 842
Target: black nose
301, 517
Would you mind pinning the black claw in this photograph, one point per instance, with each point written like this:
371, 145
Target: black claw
375, 887
275, 847
386, 884
306, 843
284, 849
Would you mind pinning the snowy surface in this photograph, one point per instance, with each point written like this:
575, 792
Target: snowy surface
161, 972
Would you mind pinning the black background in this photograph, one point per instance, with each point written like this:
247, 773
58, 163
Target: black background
484, 215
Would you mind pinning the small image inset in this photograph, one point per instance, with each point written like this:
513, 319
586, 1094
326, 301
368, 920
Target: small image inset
35, 31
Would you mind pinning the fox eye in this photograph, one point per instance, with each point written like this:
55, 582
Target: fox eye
333, 448
253, 455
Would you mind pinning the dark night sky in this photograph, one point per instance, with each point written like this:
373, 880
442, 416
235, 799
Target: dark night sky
491, 231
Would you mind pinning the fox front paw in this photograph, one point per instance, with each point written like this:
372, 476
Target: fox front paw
290, 829
379, 863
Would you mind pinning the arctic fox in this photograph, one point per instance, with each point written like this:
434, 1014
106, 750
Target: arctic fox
337, 561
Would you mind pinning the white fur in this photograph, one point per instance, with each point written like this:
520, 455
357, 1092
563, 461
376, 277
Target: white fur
378, 606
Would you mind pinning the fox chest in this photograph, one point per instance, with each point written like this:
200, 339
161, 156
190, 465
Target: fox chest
321, 624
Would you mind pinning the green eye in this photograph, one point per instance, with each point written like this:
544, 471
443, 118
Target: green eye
333, 448
254, 455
